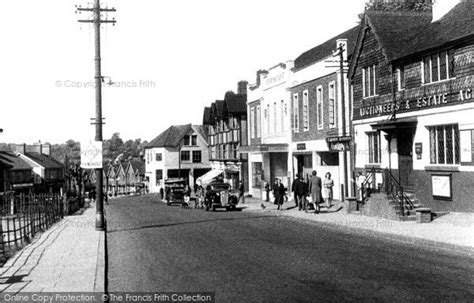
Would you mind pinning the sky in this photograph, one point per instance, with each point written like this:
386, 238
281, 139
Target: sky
167, 59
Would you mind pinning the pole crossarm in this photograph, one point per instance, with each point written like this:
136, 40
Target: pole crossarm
100, 21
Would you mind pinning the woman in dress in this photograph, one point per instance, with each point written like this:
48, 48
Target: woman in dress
328, 184
278, 193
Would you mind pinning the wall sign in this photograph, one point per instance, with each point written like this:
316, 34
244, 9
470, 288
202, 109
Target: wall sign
441, 187
301, 146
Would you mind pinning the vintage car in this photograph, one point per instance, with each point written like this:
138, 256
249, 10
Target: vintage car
174, 191
219, 195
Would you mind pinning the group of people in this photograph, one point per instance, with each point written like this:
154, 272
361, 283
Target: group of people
319, 190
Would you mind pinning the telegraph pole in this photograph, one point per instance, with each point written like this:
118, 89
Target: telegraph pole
341, 50
97, 20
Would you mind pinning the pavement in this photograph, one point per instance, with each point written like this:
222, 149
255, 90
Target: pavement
453, 231
68, 257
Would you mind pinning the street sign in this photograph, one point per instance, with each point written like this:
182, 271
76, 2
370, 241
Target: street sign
91, 154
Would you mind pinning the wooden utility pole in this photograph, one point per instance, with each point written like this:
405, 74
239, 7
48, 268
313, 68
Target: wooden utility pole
97, 21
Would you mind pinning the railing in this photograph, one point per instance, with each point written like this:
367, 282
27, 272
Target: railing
369, 185
22, 216
395, 190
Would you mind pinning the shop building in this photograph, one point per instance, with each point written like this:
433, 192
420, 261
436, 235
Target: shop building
320, 114
226, 124
412, 91
269, 130
181, 151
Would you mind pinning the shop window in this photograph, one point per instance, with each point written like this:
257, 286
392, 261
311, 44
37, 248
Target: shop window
197, 158
295, 115
438, 67
305, 111
158, 157
185, 155
319, 106
369, 81
444, 144
374, 147
332, 104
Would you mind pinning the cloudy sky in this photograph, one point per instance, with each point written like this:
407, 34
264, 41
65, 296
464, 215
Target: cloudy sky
167, 58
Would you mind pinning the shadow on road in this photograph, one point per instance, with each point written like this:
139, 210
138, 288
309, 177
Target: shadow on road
186, 223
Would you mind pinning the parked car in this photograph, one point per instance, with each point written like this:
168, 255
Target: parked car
174, 191
219, 195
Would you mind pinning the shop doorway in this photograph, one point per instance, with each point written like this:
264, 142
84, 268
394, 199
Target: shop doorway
405, 158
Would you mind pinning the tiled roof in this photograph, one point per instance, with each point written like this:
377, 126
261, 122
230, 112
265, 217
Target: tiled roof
170, 137
201, 130
236, 103
12, 161
220, 109
455, 25
44, 160
326, 49
206, 119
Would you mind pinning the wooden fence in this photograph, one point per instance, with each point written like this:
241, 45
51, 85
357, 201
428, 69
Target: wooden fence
22, 216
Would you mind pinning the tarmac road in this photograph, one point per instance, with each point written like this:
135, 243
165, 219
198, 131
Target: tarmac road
261, 257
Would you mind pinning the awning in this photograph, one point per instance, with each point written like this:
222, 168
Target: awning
209, 176
388, 125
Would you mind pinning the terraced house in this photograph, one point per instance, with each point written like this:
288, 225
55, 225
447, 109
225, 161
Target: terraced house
412, 83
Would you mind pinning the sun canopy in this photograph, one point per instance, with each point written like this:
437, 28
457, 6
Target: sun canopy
209, 176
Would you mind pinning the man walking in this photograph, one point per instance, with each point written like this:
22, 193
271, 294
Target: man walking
315, 190
300, 191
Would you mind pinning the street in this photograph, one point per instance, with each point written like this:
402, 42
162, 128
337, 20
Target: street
256, 256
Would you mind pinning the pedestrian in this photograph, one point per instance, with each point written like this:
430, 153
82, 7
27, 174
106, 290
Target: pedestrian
360, 182
241, 193
278, 193
328, 184
293, 189
267, 190
162, 193
300, 191
187, 196
199, 197
315, 190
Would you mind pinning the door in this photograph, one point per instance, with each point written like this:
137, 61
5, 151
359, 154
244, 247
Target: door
405, 158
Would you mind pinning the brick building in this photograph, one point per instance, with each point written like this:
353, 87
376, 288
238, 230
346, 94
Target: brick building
320, 136
226, 123
412, 81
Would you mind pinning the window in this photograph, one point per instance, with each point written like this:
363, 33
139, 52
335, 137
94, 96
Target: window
401, 78
369, 81
197, 156
252, 122
268, 119
374, 147
444, 144
259, 134
186, 141
257, 174
194, 140
438, 67
296, 118
274, 117
282, 117
305, 111
319, 106
185, 155
332, 104
158, 157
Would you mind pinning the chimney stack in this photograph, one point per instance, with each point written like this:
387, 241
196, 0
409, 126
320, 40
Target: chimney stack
242, 87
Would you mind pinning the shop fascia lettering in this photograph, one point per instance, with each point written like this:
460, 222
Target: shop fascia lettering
406, 105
